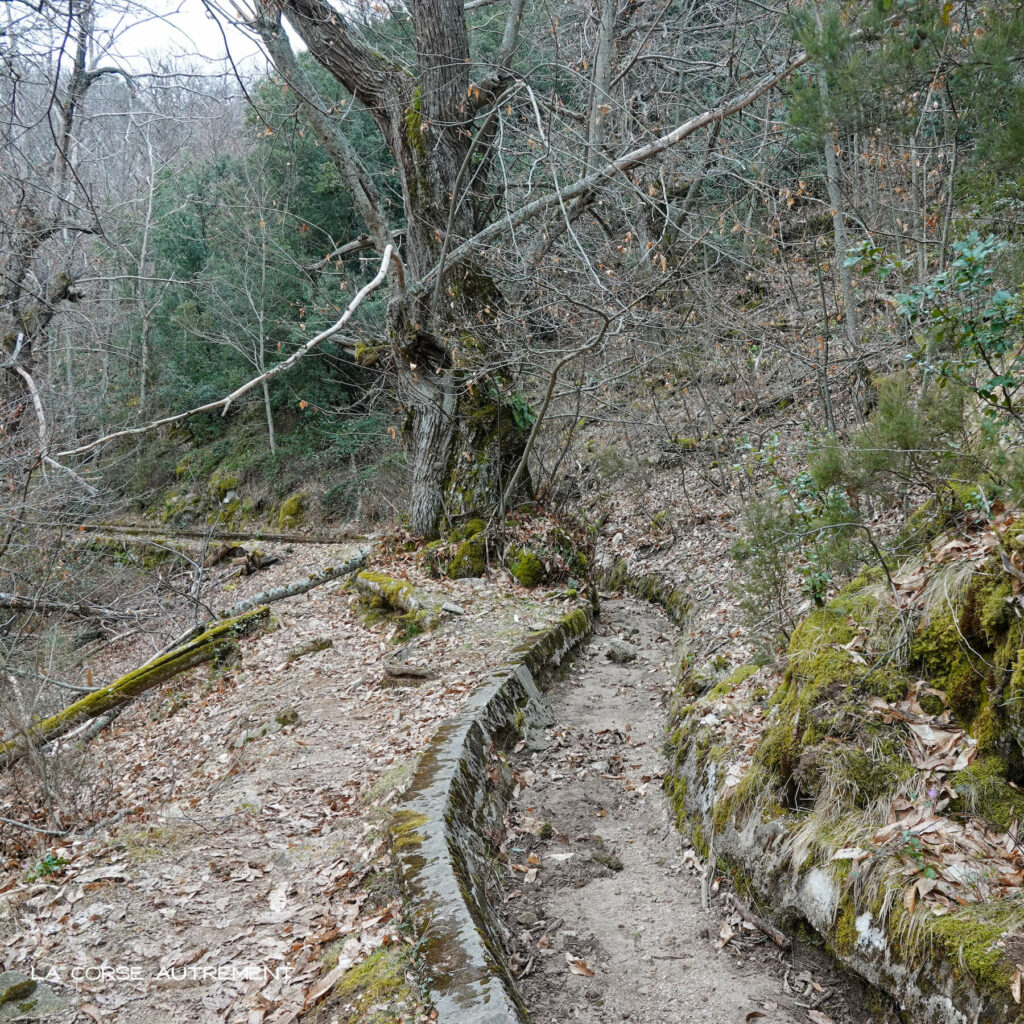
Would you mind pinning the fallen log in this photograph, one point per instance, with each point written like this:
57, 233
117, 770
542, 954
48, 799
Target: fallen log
404, 597
269, 597
216, 642
315, 579
221, 535
158, 547
80, 609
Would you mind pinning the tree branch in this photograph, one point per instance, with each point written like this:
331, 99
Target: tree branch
225, 403
337, 45
343, 155
618, 166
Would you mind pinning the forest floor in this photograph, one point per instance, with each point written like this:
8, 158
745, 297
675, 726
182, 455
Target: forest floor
243, 856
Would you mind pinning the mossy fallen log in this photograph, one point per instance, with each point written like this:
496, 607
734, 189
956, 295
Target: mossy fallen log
402, 596
222, 535
149, 548
216, 643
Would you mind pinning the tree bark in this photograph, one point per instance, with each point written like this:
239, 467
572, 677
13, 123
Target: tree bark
426, 120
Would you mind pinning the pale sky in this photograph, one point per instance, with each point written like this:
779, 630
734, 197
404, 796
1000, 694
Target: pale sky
177, 27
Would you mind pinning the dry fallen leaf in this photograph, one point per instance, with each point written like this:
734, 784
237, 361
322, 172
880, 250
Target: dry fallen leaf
725, 933
850, 853
578, 966
1015, 985
819, 1018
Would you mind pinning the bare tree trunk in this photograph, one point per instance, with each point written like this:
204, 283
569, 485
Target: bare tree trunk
600, 101
270, 417
433, 431
842, 242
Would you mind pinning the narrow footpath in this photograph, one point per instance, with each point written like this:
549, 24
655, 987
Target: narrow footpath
604, 898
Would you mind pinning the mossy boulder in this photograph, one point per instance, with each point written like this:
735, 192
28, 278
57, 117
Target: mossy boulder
942, 655
292, 511
223, 482
526, 567
468, 529
470, 560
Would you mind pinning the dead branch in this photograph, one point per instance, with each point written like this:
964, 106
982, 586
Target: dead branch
315, 579
79, 609
225, 403
779, 937
37, 404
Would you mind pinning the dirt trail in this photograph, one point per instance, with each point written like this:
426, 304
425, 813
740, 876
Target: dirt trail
615, 888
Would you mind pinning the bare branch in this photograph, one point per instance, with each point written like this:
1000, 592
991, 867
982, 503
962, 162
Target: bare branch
624, 163
225, 403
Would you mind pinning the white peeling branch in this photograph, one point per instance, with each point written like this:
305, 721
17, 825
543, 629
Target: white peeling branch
315, 579
225, 403
37, 403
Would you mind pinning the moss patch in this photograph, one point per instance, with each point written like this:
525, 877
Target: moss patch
527, 568
983, 790
378, 990
292, 512
470, 559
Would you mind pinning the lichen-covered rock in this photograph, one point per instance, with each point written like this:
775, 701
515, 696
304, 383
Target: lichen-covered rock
26, 999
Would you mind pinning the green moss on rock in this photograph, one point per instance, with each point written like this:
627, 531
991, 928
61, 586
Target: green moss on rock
470, 559
377, 990
527, 568
468, 529
983, 789
969, 940
940, 652
292, 512
223, 482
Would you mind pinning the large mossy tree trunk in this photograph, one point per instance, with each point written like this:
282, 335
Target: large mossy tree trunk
486, 450
425, 107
